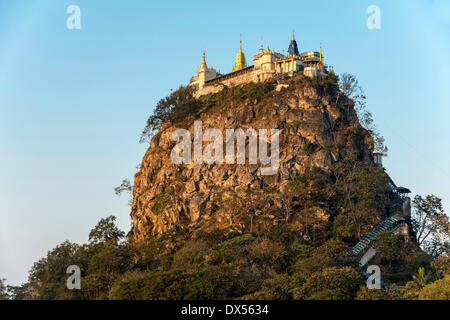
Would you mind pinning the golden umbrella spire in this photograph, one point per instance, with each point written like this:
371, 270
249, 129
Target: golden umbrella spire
203, 65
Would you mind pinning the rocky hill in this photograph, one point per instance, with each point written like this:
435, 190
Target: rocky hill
316, 122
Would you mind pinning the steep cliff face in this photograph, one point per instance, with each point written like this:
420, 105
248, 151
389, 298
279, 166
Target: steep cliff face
312, 124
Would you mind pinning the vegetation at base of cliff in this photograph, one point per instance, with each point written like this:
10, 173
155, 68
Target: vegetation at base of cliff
272, 263
300, 252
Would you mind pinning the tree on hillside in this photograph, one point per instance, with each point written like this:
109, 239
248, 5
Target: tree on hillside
331, 284
48, 276
333, 253
175, 107
3, 290
105, 231
342, 227
349, 85
126, 187
441, 266
307, 192
438, 290
422, 278
392, 249
22, 292
360, 192
430, 224
105, 266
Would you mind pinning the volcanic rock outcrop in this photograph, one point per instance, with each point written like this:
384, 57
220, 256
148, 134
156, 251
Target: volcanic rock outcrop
313, 120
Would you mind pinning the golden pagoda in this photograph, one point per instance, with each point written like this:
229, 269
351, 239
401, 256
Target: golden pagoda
240, 60
203, 65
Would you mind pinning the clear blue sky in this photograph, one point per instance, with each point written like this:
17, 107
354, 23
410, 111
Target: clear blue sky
73, 102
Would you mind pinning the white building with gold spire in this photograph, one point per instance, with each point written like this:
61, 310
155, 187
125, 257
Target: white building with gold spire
204, 74
266, 64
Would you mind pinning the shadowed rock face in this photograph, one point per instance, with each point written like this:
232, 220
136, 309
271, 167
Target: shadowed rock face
194, 197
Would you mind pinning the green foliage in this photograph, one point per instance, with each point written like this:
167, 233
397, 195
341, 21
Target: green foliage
332, 253
299, 251
227, 250
23, 292
438, 290
308, 188
268, 255
125, 186
280, 287
360, 192
349, 86
274, 265
176, 107
3, 290
331, 284
327, 84
441, 266
264, 263
377, 294
145, 254
181, 105
203, 284
108, 263
48, 275
163, 201
101, 261
105, 230
343, 227
282, 234
422, 278
212, 237
192, 256
309, 148
254, 91
430, 224
391, 248
237, 241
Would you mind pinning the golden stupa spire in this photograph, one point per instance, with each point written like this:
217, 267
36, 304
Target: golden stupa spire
203, 65
293, 35
321, 58
240, 59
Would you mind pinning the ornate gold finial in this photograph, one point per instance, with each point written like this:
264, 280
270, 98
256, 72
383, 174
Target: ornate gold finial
321, 58
261, 50
240, 59
293, 35
203, 65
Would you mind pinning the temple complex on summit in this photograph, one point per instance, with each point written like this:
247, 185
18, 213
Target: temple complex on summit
266, 64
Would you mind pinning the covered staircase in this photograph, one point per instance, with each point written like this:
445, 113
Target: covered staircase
365, 242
